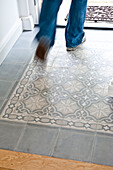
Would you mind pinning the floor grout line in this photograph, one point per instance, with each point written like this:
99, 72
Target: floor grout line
52, 151
21, 136
94, 141
92, 151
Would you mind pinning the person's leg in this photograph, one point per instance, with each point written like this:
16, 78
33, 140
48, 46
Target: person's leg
74, 30
48, 18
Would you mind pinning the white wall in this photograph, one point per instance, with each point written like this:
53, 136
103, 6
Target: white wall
8, 16
10, 26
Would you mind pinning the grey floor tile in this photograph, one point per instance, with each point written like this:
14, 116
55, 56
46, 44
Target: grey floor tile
23, 43
18, 56
21, 72
103, 150
30, 34
9, 71
9, 135
74, 145
5, 87
38, 140
1, 102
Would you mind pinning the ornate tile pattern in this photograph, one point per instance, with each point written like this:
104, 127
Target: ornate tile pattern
68, 90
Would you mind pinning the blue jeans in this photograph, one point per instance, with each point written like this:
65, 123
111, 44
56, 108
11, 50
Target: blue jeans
74, 30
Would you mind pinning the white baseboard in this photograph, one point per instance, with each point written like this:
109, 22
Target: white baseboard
7, 43
27, 23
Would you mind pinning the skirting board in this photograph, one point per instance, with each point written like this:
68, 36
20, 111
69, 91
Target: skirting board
7, 43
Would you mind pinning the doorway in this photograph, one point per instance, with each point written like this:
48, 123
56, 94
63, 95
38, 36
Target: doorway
99, 13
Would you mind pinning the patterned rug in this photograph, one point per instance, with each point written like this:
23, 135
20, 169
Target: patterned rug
68, 90
100, 11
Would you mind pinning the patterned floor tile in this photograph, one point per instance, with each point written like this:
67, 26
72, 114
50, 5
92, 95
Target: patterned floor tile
68, 90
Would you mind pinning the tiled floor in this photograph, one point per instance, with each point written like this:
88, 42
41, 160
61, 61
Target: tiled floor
59, 108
